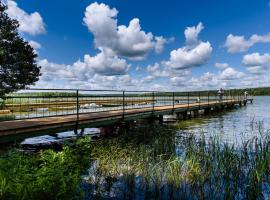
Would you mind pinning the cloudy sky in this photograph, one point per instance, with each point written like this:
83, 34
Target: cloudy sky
154, 45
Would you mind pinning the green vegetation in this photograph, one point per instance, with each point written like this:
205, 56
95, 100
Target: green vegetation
17, 58
46, 175
262, 91
203, 169
144, 164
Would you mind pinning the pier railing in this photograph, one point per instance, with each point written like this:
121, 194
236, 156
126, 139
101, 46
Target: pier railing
40, 103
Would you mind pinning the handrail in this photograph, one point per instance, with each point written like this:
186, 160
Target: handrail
48, 104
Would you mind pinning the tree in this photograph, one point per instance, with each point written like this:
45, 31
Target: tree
18, 67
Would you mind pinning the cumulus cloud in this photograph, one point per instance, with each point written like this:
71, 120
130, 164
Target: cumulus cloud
256, 70
192, 33
236, 44
221, 65
228, 77
106, 65
178, 81
230, 74
29, 23
160, 43
255, 59
128, 41
194, 53
91, 66
156, 70
256, 63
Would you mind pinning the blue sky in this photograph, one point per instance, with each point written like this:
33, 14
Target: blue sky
158, 45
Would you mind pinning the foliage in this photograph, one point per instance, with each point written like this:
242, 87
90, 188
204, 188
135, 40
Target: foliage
46, 175
18, 67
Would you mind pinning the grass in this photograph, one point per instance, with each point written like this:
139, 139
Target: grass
141, 164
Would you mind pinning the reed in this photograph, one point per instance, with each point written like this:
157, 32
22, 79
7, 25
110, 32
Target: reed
142, 164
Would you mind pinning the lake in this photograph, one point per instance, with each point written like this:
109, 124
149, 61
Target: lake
237, 125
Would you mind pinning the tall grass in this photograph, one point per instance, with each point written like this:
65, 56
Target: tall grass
147, 163
205, 169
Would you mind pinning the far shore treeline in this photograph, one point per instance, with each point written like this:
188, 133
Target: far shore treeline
260, 91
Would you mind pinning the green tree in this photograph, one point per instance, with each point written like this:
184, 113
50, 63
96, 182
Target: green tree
18, 67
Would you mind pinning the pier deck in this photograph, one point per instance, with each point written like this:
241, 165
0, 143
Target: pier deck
97, 119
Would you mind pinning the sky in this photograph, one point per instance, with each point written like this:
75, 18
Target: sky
168, 45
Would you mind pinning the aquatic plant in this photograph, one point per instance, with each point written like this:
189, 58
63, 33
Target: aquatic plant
143, 163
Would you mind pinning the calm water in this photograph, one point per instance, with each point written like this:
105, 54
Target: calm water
238, 124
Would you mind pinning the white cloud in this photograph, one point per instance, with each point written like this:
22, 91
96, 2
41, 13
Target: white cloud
128, 41
106, 64
226, 78
195, 53
29, 23
148, 79
192, 33
99, 65
230, 74
256, 70
221, 65
35, 45
183, 58
255, 59
178, 81
256, 63
160, 42
237, 43
156, 71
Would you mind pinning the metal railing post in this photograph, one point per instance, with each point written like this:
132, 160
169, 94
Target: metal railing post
123, 105
199, 100
173, 101
77, 105
188, 99
153, 100
208, 98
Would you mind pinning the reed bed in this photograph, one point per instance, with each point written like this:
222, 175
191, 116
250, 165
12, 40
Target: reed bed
147, 166
153, 162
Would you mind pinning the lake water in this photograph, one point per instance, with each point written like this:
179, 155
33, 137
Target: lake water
236, 125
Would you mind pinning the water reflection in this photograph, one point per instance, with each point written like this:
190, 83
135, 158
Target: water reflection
237, 125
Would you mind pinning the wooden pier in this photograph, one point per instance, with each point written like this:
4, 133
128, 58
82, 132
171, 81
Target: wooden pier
45, 125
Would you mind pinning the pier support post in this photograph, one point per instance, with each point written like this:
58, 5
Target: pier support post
207, 111
195, 113
184, 114
181, 116
106, 131
160, 119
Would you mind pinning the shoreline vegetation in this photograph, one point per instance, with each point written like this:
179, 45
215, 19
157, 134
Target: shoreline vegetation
144, 163
259, 91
